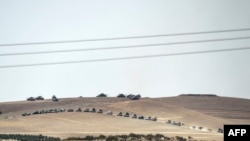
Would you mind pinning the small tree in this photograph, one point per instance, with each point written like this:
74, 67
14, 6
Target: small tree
149, 137
0, 112
89, 138
101, 137
179, 138
112, 138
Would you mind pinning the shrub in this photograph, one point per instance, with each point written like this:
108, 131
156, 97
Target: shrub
112, 138
89, 138
101, 137
27, 137
178, 138
149, 137
159, 136
125, 137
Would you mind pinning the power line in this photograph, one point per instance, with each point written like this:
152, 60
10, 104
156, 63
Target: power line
122, 38
125, 47
126, 58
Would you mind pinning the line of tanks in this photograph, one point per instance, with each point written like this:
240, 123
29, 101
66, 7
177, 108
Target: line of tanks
93, 110
120, 114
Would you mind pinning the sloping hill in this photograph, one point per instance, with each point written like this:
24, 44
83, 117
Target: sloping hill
234, 109
192, 111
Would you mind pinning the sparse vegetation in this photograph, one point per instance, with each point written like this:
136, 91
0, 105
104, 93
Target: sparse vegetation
27, 137
101, 137
178, 138
112, 138
12, 112
190, 138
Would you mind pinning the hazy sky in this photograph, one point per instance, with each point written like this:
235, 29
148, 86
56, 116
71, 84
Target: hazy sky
222, 73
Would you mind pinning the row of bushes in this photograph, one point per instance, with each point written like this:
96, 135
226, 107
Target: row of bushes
130, 137
27, 137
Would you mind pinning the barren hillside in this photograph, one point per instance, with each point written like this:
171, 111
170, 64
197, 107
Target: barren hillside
209, 113
234, 109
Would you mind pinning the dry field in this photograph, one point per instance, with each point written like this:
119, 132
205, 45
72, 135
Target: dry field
210, 113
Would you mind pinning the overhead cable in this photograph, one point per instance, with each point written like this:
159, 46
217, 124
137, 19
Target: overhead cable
125, 47
122, 38
124, 58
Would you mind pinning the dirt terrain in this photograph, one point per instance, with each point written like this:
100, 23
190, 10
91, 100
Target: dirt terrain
208, 113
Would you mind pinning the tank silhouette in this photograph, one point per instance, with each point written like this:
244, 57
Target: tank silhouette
86, 110
141, 117
70, 110
176, 123
43, 112
109, 113
55, 110
134, 97
31, 99
79, 110
36, 112
101, 95
121, 96
100, 111
220, 130
126, 114
93, 110
134, 116
24, 114
169, 121
148, 118
47, 111
60, 110
154, 119
52, 111
119, 114
129, 96
54, 98
39, 98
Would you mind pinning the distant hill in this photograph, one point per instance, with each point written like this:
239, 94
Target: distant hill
223, 107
